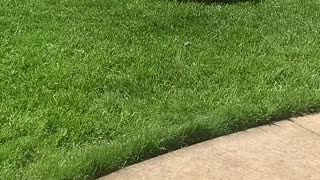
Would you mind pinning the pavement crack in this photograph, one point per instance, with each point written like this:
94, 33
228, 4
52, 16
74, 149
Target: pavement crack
311, 131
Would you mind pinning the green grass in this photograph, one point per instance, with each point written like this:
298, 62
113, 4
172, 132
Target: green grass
89, 86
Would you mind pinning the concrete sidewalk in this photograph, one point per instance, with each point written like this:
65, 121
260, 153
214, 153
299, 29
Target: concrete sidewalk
286, 150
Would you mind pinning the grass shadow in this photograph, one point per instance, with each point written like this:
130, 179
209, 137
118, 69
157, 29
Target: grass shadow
219, 1
195, 134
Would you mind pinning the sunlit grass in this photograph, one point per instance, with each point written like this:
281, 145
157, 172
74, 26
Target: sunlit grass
89, 86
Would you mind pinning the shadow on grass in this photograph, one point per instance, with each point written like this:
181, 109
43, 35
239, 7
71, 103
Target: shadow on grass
194, 134
219, 1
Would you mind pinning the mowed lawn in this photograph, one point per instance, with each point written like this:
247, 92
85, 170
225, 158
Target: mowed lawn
90, 86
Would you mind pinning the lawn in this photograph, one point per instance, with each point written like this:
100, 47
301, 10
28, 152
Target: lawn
90, 86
